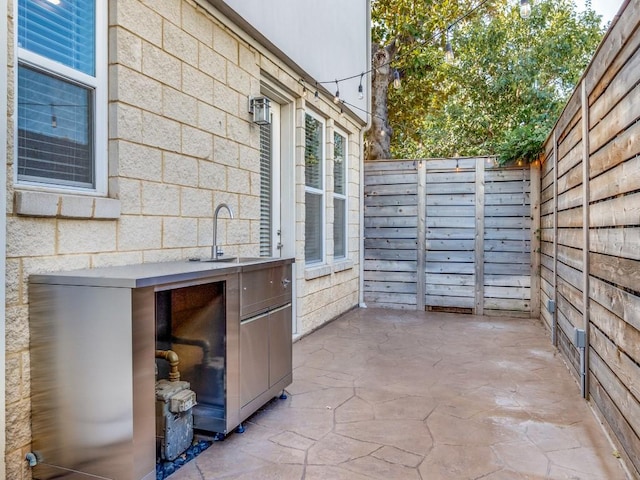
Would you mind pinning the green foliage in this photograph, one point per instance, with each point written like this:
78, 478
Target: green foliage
509, 81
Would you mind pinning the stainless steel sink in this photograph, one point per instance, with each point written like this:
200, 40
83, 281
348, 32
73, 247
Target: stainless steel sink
229, 259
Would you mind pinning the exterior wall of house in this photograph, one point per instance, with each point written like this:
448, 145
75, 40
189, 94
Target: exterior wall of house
180, 142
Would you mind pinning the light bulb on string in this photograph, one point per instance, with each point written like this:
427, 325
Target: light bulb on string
448, 50
304, 88
360, 89
525, 9
336, 97
396, 79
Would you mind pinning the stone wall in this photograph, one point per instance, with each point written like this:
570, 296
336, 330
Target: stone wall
180, 142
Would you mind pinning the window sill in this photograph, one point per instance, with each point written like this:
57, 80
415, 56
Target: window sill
317, 271
342, 265
60, 205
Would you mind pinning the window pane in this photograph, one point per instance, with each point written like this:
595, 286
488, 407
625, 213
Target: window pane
313, 152
339, 227
313, 228
55, 130
339, 146
266, 176
64, 33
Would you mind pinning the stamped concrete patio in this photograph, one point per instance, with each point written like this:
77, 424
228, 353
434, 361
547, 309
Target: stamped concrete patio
381, 394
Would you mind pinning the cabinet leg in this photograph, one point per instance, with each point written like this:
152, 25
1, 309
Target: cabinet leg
283, 395
240, 429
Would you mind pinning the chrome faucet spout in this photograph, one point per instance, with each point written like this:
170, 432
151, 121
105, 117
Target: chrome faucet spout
215, 251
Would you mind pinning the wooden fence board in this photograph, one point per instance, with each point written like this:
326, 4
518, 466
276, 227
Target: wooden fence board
382, 233
390, 287
620, 148
507, 246
623, 178
619, 271
394, 221
452, 211
619, 362
619, 211
618, 88
622, 115
620, 302
390, 200
432, 244
399, 189
401, 211
447, 301
624, 335
507, 187
617, 392
449, 279
570, 218
622, 242
507, 199
448, 189
390, 243
390, 179
572, 293
446, 200
388, 266
382, 276
616, 421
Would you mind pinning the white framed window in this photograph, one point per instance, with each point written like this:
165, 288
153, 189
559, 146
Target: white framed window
340, 155
314, 160
61, 109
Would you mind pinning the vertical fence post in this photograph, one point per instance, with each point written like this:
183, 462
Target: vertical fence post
534, 201
554, 321
585, 233
421, 236
479, 237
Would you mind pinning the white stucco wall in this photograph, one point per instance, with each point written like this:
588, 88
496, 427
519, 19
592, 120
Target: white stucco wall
315, 34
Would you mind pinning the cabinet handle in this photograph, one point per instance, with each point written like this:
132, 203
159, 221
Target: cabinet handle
286, 282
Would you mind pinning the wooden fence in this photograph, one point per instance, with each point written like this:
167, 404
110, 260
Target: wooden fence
450, 234
590, 232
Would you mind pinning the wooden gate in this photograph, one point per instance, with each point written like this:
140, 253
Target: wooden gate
448, 234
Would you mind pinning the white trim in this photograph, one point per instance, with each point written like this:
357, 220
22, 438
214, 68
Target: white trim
100, 89
276, 191
3, 228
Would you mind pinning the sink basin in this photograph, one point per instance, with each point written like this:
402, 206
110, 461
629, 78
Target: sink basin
229, 259
220, 260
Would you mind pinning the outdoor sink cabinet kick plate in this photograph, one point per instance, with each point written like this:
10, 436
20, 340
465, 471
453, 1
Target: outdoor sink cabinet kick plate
94, 334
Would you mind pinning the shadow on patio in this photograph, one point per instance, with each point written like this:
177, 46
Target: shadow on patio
382, 394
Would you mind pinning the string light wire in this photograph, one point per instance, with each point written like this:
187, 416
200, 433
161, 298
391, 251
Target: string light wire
429, 40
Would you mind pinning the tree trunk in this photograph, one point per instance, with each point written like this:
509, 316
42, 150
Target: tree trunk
378, 137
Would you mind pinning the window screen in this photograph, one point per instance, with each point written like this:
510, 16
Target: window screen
55, 126
266, 186
314, 193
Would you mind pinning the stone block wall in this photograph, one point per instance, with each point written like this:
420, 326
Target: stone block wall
180, 142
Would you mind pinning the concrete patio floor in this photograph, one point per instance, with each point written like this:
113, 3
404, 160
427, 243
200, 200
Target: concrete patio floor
382, 394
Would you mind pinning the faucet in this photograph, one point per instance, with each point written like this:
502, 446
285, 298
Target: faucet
215, 250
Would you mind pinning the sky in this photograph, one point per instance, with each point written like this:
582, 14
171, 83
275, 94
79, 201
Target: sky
606, 8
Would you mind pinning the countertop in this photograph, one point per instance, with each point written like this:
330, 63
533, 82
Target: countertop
151, 274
